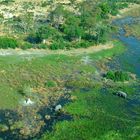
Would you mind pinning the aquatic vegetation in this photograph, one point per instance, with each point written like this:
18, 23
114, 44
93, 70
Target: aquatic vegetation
94, 113
117, 76
133, 30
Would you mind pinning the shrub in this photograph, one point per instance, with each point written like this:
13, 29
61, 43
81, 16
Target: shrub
26, 45
57, 45
50, 84
42, 46
82, 44
122, 5
110, 75
114, 12
44, 4
105, 9
6, 43
117, 76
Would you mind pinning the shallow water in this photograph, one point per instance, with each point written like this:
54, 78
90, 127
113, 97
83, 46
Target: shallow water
130, 59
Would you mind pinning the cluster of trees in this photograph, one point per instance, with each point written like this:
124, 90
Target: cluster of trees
86, 25
117, 76
6, 43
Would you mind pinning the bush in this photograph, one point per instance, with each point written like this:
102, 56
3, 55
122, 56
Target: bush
44, 4
50, 84
6, 43
26, 45
114, 12
117, 76
82, 44
56, 46
60, 44
42, 46
122, 5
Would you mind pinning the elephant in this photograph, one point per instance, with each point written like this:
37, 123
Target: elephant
58, 108
121, 94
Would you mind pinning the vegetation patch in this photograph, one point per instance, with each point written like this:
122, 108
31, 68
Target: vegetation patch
6, 43
117, 76
133, 30
86, 24
94, 114
134, 12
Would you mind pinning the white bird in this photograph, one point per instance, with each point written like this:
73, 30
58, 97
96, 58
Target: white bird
28, 102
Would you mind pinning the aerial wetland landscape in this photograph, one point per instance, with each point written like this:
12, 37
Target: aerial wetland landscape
69, 69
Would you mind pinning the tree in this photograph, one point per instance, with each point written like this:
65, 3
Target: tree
72, 28
25, 23
6, 43
102, 30
105, 9
57, 16
90, 15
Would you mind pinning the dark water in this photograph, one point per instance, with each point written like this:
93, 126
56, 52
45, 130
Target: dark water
8, 117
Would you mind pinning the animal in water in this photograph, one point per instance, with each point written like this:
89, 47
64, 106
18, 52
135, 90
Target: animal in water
58, 108
121, 94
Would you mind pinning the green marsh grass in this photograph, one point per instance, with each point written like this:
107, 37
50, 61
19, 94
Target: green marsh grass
16, 72
93, 114
97, 116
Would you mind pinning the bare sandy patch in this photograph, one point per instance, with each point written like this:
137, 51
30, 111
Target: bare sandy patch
123, 12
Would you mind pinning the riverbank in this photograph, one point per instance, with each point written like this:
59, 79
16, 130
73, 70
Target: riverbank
133, 30
133, 10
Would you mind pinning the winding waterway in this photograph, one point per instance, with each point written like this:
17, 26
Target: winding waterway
130, 59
